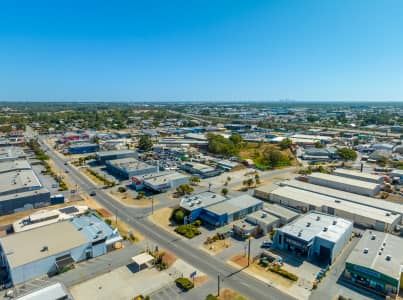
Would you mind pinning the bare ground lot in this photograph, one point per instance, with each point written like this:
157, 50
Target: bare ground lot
161, 218
128, 199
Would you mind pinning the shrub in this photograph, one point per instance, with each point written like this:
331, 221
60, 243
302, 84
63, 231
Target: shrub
211, 297
197, 223
284, 273
108, 221
121, 189
184, 283
178, 216
188, 230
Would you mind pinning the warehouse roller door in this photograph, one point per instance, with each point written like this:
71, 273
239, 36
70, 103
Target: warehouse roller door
380, 226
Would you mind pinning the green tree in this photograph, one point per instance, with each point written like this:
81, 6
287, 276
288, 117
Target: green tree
285, 144
346, 153
194, 180
224, 191
318, 144
184, 189
145, 143
236, 139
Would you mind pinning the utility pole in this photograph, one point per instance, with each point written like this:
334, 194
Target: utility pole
218, 284
116, 217
248, 251
152, 205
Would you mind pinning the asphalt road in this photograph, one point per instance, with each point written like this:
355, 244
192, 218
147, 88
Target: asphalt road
232, 278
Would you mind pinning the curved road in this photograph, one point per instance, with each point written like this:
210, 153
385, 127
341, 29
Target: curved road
232, 278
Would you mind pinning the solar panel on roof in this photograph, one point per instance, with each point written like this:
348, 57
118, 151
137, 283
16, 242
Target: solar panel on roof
69, 210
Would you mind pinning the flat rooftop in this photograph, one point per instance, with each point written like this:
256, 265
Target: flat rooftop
28, 246
314, 224
204, 199
166, 178
279, 211
310, 198
78, 145
14, 165
234, 205
130, 164
8, 197
200, 167
364, 200
343, 180
9, 153
375, 258
19, 179
262, 217
357, 174
114, 152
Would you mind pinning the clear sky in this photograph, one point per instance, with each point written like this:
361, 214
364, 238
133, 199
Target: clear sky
201, 50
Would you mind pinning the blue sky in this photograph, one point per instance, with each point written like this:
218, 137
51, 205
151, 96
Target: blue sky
219, 50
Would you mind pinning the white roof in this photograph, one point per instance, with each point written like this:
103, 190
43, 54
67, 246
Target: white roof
360, 199
357, 174
142, 258
319, 201
343, 180
51, 292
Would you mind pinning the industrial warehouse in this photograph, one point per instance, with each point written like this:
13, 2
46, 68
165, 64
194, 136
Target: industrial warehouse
315, 235
128, 167
345, 184
342, 195
103, 156
364, 216
20, 188
218, 210
55, 247
359, 175
376, 263
160, 181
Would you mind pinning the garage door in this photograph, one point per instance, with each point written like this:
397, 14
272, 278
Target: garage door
380, 226
325, 254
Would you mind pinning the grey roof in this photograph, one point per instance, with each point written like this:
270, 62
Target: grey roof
166, 178
319, 201
234, 205
280, 211
14, 196
343, 180
364, 200
358, 175
114, 152
262, 217
129, 164
10, 153
392, 245
12, 165
17, 180
28, 246
204, 199
313, 224
200, 167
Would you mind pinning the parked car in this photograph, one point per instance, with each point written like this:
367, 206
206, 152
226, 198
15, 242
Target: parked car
93, 193
266, 244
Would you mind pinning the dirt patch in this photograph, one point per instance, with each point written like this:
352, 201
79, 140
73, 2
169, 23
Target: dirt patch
228, 294
217, 246
128, 199
240, 260
168, 258
161, 218
104, 212
200, 280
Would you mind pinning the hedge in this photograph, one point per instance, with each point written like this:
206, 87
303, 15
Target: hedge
284, 273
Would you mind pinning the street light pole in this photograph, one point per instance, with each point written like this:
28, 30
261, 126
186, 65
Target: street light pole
248, 251
152, 205
218, 284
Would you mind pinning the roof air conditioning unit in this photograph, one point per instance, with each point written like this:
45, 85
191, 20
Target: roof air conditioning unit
388, 257
365, 250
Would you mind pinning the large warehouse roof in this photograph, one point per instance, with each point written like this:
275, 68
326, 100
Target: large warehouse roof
344, 180
13, 165
379, 251
313, 224
129, 164
356, 174
16, 180
204, 199
42, 242
364, 200
234, 205
319, 201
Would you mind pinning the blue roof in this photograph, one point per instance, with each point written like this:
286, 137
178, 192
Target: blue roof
92, 227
